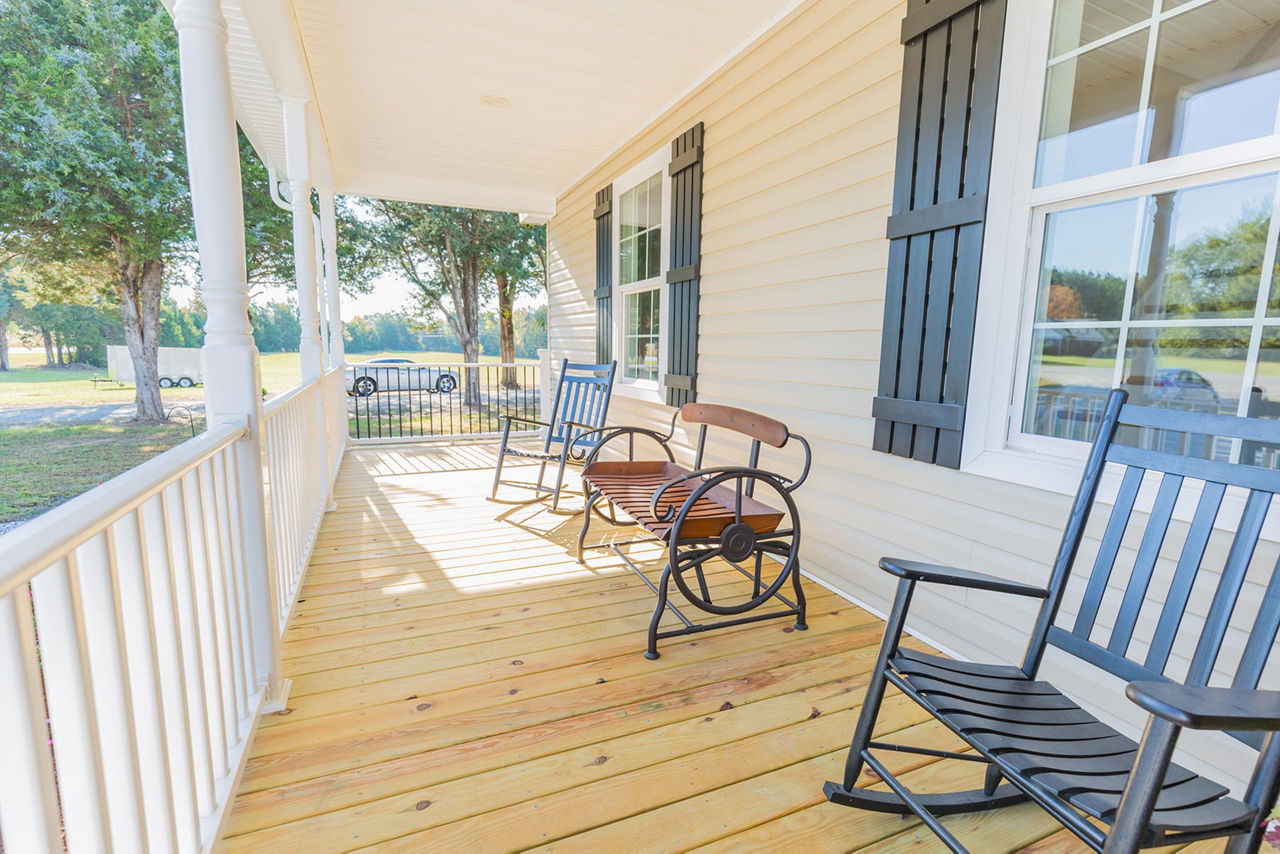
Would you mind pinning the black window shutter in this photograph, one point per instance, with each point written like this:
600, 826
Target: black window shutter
685, 170
949, 81
604, 275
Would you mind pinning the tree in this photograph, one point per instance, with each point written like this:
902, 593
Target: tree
9, 307
96, 174
445, 253
518, 264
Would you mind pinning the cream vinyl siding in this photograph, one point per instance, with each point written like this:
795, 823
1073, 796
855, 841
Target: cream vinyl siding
798, 173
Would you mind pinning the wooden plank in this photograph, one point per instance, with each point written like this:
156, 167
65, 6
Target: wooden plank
404, 708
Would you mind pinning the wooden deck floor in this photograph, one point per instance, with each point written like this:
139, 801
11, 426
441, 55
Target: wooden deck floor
460, 683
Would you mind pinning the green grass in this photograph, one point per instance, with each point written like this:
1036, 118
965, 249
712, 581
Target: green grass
44, 466
30, 384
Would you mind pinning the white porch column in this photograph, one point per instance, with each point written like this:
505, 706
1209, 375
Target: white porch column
297, 160
322, 303
333, 290
232, 378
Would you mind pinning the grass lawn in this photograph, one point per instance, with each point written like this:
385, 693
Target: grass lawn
44, 466
31, 384
41, 466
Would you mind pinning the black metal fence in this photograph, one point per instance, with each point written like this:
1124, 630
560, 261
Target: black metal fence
405, 400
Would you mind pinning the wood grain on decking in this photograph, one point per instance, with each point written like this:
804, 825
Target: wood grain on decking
460, 683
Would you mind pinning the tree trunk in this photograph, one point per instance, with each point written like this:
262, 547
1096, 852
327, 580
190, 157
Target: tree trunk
47, 337
57, 349
140, 285
4, 346
506, 328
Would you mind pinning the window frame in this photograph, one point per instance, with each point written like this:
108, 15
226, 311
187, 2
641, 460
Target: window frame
994, 444
630, 386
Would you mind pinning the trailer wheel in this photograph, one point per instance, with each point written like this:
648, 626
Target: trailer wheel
166, 382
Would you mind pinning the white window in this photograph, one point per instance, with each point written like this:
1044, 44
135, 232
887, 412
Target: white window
640, 267
1136, 223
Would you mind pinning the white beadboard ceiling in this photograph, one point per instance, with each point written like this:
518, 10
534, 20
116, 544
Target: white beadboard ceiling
399, 83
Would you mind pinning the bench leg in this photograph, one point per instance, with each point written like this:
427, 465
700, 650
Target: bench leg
1129, 830
586, 522
663, 583
801, 604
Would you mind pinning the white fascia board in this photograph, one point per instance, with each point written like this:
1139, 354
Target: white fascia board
538, 206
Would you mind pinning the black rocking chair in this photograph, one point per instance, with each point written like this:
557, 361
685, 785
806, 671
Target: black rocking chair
578, 412
1049, 749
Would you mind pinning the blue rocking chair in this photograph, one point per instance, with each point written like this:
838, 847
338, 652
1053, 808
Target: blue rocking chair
578, 413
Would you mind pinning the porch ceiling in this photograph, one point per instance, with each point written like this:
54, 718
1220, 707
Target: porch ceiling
399, 87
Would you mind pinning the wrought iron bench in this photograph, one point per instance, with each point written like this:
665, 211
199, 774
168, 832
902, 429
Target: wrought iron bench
1049, 749
578, 413
705, 514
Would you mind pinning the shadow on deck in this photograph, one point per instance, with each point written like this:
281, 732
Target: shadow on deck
460, 683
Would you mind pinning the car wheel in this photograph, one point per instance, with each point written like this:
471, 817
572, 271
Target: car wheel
365, 386
165, 382
185, 382
446, 383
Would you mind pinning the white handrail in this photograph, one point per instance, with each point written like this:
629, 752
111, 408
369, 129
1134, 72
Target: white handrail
127, 659
393, 365
38, 543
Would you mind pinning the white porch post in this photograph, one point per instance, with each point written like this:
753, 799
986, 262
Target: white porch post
304, 259
333, 291
232, 378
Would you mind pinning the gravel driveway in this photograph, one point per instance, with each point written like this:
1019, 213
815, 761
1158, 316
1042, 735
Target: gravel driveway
36, 416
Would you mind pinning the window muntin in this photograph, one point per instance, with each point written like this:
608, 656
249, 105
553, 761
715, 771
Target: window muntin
641, 279
1181, 78
1156, 263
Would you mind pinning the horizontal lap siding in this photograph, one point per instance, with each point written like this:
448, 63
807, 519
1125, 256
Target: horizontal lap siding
798, 177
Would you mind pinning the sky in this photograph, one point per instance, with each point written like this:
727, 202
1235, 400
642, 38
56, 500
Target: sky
389, 294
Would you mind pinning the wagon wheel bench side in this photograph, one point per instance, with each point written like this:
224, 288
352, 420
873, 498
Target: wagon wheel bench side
704, 514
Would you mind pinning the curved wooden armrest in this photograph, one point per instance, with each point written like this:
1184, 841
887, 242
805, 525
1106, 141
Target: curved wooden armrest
1192, 707
935, 574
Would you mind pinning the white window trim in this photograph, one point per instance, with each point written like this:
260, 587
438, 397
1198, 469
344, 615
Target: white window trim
647, 390
990, 446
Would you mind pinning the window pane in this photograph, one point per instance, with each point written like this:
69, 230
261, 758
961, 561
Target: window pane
641, 332
627, 260
1203, 249
1071, 372
1216, 79
1196, 368
1090, 119
1086, 262
1080, 22
655, 199
1264, 400
639, 231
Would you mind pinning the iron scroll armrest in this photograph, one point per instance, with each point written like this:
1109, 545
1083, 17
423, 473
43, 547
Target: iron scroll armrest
608, 434
1192, 707
916, 571
784, 484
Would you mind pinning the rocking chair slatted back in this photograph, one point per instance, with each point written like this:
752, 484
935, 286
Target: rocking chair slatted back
582, 397
1116, 652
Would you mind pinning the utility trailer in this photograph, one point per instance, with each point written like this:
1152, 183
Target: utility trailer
179, 366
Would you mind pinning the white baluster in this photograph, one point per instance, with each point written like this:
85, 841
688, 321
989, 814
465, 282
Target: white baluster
28, 801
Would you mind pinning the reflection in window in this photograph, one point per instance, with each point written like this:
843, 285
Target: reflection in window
641, 334
1159, 295
1203, 250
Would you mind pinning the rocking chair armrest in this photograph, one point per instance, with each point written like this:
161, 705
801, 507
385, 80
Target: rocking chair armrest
522, 420
1192, 707
936, 574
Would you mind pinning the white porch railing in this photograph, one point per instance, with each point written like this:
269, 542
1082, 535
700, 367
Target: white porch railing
335, 407
298, 479
126, 659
